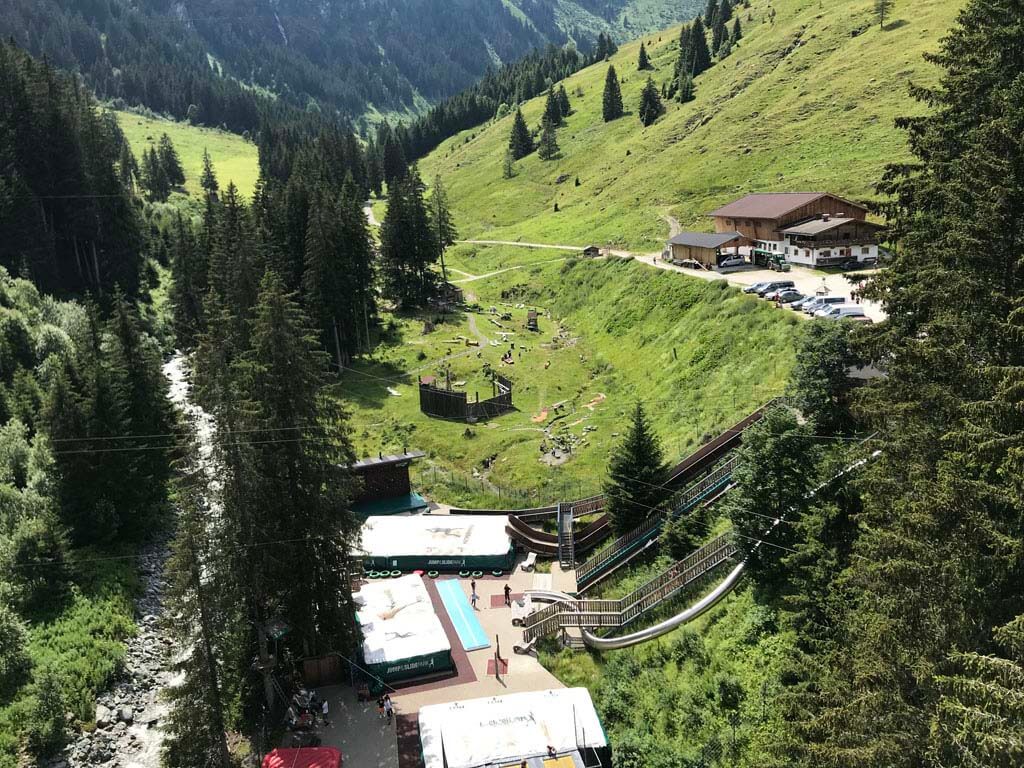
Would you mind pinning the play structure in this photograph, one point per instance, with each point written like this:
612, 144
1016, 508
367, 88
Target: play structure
435, 543
446, 403
402, 636
541, 729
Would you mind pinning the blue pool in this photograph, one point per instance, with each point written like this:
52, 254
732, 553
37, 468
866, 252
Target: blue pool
467, 625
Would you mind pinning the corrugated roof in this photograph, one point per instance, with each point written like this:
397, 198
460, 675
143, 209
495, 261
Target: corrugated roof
819, 225
381, 460
705, 239
770, 205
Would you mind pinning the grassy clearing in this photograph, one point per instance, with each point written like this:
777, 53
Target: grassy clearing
673, 696
699, 355
807, 101
82, 643
234, 158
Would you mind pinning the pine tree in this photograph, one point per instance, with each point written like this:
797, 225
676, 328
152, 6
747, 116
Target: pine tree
128, 167
883, 8
170, 162
643, 62
188, 284
737, 31
724, 12
650, 103
154, 177
611, 102
520, 143
719, 35
547, 148
636, 474
687, 90
701, 56
563, 102
710, 13
552, 110
441, 222
209, 179
508, 165
408, 248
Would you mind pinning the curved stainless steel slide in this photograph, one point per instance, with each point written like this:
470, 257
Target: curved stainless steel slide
703, 605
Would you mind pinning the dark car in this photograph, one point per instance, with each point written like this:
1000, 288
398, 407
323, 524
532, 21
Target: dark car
851, 264
756, 287
774, 286
788, 295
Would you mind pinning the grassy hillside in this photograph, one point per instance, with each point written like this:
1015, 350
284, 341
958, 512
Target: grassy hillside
234, 158
807, 101
702, 357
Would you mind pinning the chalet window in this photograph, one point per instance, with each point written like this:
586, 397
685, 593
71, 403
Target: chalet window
826, 254
865, 250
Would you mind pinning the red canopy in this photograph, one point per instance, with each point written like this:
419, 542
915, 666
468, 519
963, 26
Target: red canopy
306, 757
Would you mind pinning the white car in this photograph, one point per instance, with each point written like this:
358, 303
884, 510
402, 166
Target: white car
731, 261
821, 302
839, 311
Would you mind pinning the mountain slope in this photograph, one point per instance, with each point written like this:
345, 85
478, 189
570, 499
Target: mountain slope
355, 57
807, 101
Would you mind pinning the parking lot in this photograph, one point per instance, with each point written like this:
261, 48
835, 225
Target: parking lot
807, 281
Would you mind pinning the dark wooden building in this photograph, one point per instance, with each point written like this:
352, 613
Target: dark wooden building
386, 486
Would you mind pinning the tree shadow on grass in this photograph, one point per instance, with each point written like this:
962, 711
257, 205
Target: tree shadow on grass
891, 26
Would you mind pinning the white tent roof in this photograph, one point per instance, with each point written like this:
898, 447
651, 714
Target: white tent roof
505, 729
435, 535
398, 620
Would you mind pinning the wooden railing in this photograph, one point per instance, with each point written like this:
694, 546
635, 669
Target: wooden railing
678, 504
618, 613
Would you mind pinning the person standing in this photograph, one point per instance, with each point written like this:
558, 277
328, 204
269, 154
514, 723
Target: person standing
323, 713
473, 597
389, 708
380, 707
508, 595
472, 585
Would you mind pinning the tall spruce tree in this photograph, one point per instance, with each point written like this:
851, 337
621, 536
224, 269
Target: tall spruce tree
407, 246
208, 181
442, 223
636, 474
700, 57
170, 161
520, 143
687, 90
651, 107
710, 13
737, 31
563, 101
719, 35
552, 110
643, 62
611, 101
936, 566
547, 147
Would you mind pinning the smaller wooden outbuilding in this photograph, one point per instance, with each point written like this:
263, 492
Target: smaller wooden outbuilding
703, 247
531, 320
592, 251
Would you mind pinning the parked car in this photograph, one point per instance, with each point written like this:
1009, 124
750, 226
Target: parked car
788, 296
852, 264
801, 303
732, 261
820, 301
774, 286
774, 293
756, 287
839, 311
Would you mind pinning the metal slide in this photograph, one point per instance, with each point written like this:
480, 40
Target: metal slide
709, 600
703, 605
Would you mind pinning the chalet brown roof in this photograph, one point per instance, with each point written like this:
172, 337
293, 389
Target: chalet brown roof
771, 205
820, 224
705, 239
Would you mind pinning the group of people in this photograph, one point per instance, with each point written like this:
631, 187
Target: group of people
304, 709
474, 597
385, 709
